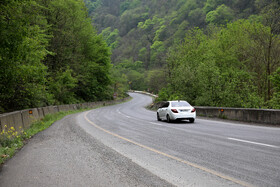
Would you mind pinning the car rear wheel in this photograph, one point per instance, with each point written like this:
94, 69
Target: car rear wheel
158, 118
168, 119
191, 120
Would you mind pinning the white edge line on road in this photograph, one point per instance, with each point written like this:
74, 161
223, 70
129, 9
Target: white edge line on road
242, 183
123, 114
256, 143
156, 124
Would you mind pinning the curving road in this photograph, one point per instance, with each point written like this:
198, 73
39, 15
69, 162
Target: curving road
124, 145
242, 154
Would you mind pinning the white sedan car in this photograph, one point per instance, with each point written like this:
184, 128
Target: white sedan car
176, 110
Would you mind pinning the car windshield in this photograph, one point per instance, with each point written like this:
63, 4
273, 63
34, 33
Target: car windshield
180, 104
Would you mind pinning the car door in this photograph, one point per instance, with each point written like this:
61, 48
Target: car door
164, 110
160, 110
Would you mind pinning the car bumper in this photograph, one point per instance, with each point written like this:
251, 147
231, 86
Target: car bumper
182, 116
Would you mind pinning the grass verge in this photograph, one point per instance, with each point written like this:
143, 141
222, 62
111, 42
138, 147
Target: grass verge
11, 140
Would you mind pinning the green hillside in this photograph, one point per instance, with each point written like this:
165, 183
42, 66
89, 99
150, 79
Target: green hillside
143, 30
210, 52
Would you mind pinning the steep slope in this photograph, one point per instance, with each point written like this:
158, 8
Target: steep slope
145, 29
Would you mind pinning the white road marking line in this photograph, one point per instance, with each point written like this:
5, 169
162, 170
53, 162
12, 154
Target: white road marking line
156, 124
256, 143
123, 114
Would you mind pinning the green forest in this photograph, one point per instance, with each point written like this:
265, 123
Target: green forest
208, 52
50, 54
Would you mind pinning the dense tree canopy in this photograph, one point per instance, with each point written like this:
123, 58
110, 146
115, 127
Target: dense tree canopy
142, 23
50, 54
226, 67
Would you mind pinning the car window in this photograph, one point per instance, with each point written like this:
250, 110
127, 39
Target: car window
180, 104
166, 104
160, 105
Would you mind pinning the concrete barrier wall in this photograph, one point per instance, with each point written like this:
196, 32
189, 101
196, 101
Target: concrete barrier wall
29, 116
23, 119
143, 92
63, 108
40, 113
266, 116
13, 119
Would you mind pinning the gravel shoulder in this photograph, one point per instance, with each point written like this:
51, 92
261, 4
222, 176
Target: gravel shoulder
65, 155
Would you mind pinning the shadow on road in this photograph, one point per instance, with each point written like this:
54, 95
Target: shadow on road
178, 122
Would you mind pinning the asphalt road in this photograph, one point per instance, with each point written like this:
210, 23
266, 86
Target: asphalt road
124, 145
